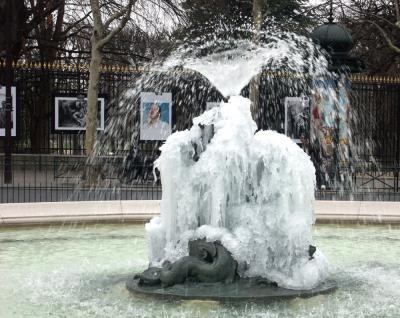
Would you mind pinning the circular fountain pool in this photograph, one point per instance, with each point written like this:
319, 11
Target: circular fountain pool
80, 271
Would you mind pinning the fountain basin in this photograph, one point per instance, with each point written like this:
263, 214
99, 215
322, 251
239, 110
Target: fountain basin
80, 271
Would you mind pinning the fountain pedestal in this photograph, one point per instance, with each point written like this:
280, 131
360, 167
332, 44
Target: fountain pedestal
210, 272
242, 289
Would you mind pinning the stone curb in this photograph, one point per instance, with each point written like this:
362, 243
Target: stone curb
141, 211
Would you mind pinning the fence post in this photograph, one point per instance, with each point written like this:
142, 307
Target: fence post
10, 36
397, 139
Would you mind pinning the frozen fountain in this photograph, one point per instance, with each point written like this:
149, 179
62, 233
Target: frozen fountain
81, 270
237, 204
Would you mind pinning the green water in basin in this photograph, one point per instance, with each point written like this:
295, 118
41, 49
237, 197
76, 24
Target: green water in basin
80, 271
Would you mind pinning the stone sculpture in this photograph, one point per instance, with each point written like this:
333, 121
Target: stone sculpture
208, 262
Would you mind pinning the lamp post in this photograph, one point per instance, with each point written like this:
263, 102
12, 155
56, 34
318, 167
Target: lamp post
337, 42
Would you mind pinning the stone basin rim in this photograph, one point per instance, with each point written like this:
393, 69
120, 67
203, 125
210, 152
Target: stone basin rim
208, 291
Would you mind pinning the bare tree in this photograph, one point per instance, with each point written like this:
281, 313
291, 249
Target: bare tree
102, 34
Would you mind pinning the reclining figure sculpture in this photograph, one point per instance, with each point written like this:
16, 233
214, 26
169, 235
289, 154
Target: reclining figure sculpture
208, 262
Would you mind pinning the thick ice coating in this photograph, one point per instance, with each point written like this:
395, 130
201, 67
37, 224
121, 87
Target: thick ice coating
254, 192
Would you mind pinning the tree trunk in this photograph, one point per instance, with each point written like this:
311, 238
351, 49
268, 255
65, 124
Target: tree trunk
100, 37
40, 115
254, 94
91, 173
92, 96
258, 15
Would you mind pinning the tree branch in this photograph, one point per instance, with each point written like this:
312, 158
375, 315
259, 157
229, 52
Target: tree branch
114, 17
98, 24
397, 6
59, 22
70, 27
386, 37
363, 13
128, 10
39, 16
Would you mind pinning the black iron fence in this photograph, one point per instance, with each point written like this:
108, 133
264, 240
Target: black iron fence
376, 103
49, 165
51, 178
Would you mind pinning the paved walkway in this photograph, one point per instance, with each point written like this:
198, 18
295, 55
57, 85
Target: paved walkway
142, 211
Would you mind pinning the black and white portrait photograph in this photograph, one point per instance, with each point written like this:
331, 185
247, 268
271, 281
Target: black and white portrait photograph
3, 111
70, 113
297, 118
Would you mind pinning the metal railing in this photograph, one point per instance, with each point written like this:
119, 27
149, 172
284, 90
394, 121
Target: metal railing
49, 178
48, 166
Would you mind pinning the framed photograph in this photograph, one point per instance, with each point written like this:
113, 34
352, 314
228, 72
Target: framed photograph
3, 111
297, 118
70, 113
155, 116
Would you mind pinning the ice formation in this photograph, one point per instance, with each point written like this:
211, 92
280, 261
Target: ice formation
253, 191
230, 70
